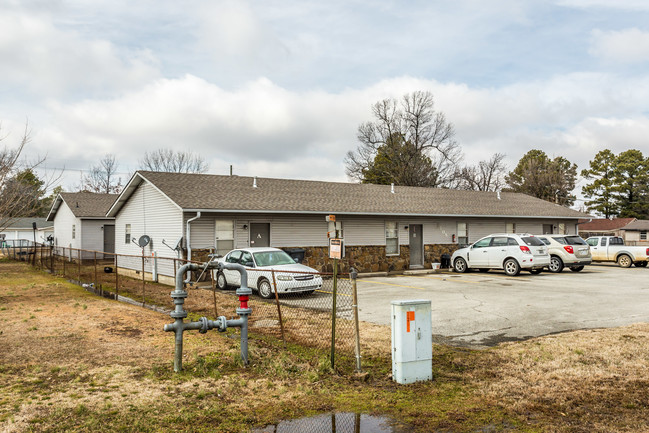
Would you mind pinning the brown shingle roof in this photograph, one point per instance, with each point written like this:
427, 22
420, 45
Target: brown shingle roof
88, 204
605, 224
235, 193
639, 225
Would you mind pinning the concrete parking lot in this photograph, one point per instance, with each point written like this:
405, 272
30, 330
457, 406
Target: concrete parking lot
483, 309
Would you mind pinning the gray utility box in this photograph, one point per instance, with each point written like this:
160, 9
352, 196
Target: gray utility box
412, 341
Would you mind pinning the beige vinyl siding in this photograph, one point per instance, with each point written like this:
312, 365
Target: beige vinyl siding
202, 231
149, 213
527, 226
92, 236
241, 235
364, 231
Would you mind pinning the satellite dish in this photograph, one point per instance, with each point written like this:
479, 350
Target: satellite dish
143, 241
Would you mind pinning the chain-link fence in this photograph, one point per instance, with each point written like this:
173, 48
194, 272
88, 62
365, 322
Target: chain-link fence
291, 306
344, 422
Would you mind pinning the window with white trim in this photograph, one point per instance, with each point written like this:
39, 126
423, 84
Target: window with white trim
643, 235
462, 233
127, 234
74, 231
224, 239
391, 238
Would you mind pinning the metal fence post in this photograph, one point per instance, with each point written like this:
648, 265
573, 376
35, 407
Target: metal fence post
353, 275
116, 277
143, 281
96, 281
333, 315
279, 309
79, 263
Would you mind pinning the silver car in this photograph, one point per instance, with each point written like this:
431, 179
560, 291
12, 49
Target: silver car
266, 265
567, 250
508, 251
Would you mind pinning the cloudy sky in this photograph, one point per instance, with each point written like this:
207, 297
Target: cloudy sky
278, 88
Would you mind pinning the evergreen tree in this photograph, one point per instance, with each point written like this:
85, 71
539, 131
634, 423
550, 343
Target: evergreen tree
601, 189
548, 179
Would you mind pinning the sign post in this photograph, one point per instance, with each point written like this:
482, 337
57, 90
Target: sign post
335, 253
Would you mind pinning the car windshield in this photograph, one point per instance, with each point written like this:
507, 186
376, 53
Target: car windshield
532, 242
273, 258
575, 240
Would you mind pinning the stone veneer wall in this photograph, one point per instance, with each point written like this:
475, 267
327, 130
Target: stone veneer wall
373, 258
361, 258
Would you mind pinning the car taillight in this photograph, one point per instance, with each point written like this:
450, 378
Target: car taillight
647, 252
525, 249
569, 249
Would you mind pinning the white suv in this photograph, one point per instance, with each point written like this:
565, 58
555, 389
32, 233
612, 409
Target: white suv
567, 250
511, 252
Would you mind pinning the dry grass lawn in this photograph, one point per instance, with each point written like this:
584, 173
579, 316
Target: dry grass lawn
73, 361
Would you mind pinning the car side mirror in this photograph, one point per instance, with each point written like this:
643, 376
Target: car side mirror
296, 260
249, 264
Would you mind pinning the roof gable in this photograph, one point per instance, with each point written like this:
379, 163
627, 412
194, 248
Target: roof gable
83, 204
206, 192
604, 224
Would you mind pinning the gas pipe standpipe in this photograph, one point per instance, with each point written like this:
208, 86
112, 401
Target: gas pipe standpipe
204, 324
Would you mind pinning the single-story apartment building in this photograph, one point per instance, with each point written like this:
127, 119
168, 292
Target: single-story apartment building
635, 233
23, 228
603, 226
383, 227
80, 222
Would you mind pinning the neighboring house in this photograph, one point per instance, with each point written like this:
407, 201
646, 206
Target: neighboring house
22, 228
603, 227
384, 228
635, 233
80, 222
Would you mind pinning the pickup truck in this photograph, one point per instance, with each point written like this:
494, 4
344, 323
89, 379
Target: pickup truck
612, 249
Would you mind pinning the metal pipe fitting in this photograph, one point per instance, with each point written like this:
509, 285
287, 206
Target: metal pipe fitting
204, 324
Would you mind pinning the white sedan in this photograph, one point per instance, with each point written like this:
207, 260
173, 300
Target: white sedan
264, 263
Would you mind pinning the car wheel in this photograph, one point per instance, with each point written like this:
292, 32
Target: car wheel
535, 271
512, 268
265, 289
576, 268
624, 261
484, 270
556, 264
641, 264
221, 282
460, 265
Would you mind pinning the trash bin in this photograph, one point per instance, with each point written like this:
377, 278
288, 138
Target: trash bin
296, 253
445, 261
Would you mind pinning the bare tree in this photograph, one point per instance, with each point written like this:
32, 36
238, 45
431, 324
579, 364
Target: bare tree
486, 176
408, 143
173, 161
102, 177
20, 189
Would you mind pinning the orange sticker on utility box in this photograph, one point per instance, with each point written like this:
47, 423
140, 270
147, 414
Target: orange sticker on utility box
410, 317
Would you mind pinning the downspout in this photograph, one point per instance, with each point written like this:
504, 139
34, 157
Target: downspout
189, 239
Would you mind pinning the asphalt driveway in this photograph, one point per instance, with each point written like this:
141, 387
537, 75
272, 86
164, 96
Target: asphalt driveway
483, 309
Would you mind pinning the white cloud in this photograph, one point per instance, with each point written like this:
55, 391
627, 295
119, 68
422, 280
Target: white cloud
266, 130
48, 61
624, 46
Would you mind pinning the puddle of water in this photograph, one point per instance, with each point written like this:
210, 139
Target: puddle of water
344, 422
